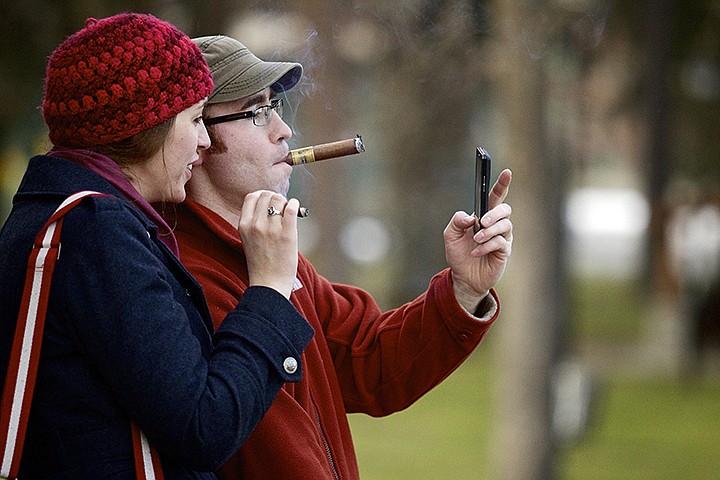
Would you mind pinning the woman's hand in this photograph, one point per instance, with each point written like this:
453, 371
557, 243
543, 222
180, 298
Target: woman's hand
268, 229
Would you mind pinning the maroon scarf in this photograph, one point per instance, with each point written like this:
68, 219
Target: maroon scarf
111, 171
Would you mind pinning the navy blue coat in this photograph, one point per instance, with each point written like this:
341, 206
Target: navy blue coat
129, 337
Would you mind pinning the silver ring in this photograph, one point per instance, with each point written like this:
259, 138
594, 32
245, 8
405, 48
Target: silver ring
272, 212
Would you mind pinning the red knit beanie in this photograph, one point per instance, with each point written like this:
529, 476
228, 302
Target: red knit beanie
119, 76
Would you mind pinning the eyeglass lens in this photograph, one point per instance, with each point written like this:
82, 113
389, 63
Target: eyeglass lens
264, 114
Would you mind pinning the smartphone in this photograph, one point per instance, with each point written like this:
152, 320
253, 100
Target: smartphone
482, 184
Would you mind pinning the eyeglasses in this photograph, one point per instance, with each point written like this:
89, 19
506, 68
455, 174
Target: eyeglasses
260, 116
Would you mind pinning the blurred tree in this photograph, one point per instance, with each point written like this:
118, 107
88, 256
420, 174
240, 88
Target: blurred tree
211, 17
428, 100
529, 331
30, 32
676, 94
325, 116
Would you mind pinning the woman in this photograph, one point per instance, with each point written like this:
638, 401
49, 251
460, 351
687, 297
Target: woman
128, 337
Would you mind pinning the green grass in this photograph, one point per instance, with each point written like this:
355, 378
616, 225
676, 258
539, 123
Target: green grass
650, 429
642, 428
606, 309
443, 435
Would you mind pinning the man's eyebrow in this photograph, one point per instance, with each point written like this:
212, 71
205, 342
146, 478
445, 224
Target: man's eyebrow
254, 100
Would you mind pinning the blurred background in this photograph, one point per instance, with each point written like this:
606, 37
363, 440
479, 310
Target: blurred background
605, 363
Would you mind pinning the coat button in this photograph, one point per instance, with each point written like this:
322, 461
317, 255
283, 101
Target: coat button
290, 365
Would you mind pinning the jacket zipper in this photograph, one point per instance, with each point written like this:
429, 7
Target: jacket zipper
325, 442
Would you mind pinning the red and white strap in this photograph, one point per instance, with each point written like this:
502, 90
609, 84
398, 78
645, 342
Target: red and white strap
25, 353
147, 461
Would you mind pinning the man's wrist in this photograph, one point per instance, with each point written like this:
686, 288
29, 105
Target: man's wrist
468, 298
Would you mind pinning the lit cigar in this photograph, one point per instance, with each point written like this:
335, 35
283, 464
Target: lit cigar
302, 212
340, 148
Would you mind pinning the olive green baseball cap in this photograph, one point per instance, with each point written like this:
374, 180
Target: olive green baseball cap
238, 73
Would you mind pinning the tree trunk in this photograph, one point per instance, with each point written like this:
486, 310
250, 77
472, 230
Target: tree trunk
531, 290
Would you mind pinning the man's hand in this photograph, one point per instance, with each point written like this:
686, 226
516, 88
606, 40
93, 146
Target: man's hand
478, 260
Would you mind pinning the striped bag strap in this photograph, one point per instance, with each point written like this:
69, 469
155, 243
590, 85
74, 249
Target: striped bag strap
25, 353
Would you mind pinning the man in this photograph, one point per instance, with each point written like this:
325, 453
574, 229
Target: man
361, 359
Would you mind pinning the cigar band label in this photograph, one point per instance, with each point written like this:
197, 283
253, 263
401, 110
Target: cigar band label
303, 155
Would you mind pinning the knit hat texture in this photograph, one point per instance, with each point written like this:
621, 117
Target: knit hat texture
238, 73
118, 77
